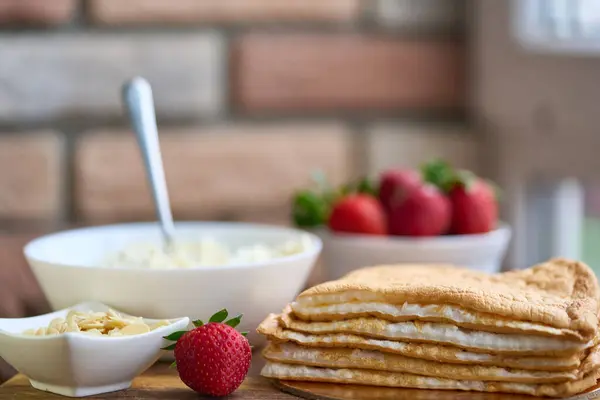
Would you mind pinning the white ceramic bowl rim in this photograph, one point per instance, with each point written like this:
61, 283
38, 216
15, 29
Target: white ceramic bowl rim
502, 229
92, 306
30, 249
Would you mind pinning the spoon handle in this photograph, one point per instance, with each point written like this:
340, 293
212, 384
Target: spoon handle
137, 97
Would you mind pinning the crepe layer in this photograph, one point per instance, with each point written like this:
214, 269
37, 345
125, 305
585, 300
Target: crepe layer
446, 334
289, 353
272, 328
425, 312
559, 293
398, 379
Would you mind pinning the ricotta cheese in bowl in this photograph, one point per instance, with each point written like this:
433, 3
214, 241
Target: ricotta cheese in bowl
248, 269
201, 253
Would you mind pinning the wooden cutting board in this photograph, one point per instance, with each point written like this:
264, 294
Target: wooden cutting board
328, 391
161, 382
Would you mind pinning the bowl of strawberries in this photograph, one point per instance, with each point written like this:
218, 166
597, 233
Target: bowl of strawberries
431, 215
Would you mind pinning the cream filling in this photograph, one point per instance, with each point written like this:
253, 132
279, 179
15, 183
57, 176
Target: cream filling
279, 370
402, 348
453, 313
359, 358
443, 333
391, 379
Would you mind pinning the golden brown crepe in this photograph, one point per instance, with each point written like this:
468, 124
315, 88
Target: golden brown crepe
398, 379
445, 334
440, 327
272, 328
445, 313
290, 353
559, 293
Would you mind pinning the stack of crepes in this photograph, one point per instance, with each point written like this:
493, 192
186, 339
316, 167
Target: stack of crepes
531, 331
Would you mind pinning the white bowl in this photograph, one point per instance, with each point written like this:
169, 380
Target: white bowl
76, 365
66, 265
343, 253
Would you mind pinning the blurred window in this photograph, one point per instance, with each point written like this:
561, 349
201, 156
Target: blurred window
564, 221
569, 26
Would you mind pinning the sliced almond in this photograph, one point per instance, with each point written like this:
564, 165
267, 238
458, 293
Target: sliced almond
135, 329
158, 324
93, 332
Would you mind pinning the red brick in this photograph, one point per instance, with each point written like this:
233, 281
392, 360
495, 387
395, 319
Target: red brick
31, 176
300, 72
36, 12
189, 11
229, 172
20, 294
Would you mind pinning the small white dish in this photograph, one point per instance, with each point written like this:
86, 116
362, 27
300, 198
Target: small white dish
76, 365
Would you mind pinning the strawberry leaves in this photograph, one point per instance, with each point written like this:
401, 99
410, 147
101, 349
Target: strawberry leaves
439, 173
172, 345
175, 335
219, 316
235, 321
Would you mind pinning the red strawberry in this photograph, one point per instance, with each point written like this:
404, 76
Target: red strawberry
358, 213
424, 211
397, 183
212, 359
474, 206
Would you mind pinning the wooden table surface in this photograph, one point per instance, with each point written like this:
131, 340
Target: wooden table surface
159, 382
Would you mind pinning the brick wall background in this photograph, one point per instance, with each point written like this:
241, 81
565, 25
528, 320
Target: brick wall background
251, 97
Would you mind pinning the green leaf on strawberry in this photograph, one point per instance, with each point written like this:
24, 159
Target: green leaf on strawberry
235, 321
309, 209
364, 185
219, 316
464, 178
175, 335
172, 346
439, 173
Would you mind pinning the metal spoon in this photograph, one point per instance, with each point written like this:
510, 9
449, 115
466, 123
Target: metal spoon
137, 99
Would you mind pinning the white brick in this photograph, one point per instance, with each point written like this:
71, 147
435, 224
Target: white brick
49, 76
410, 145
420, 14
